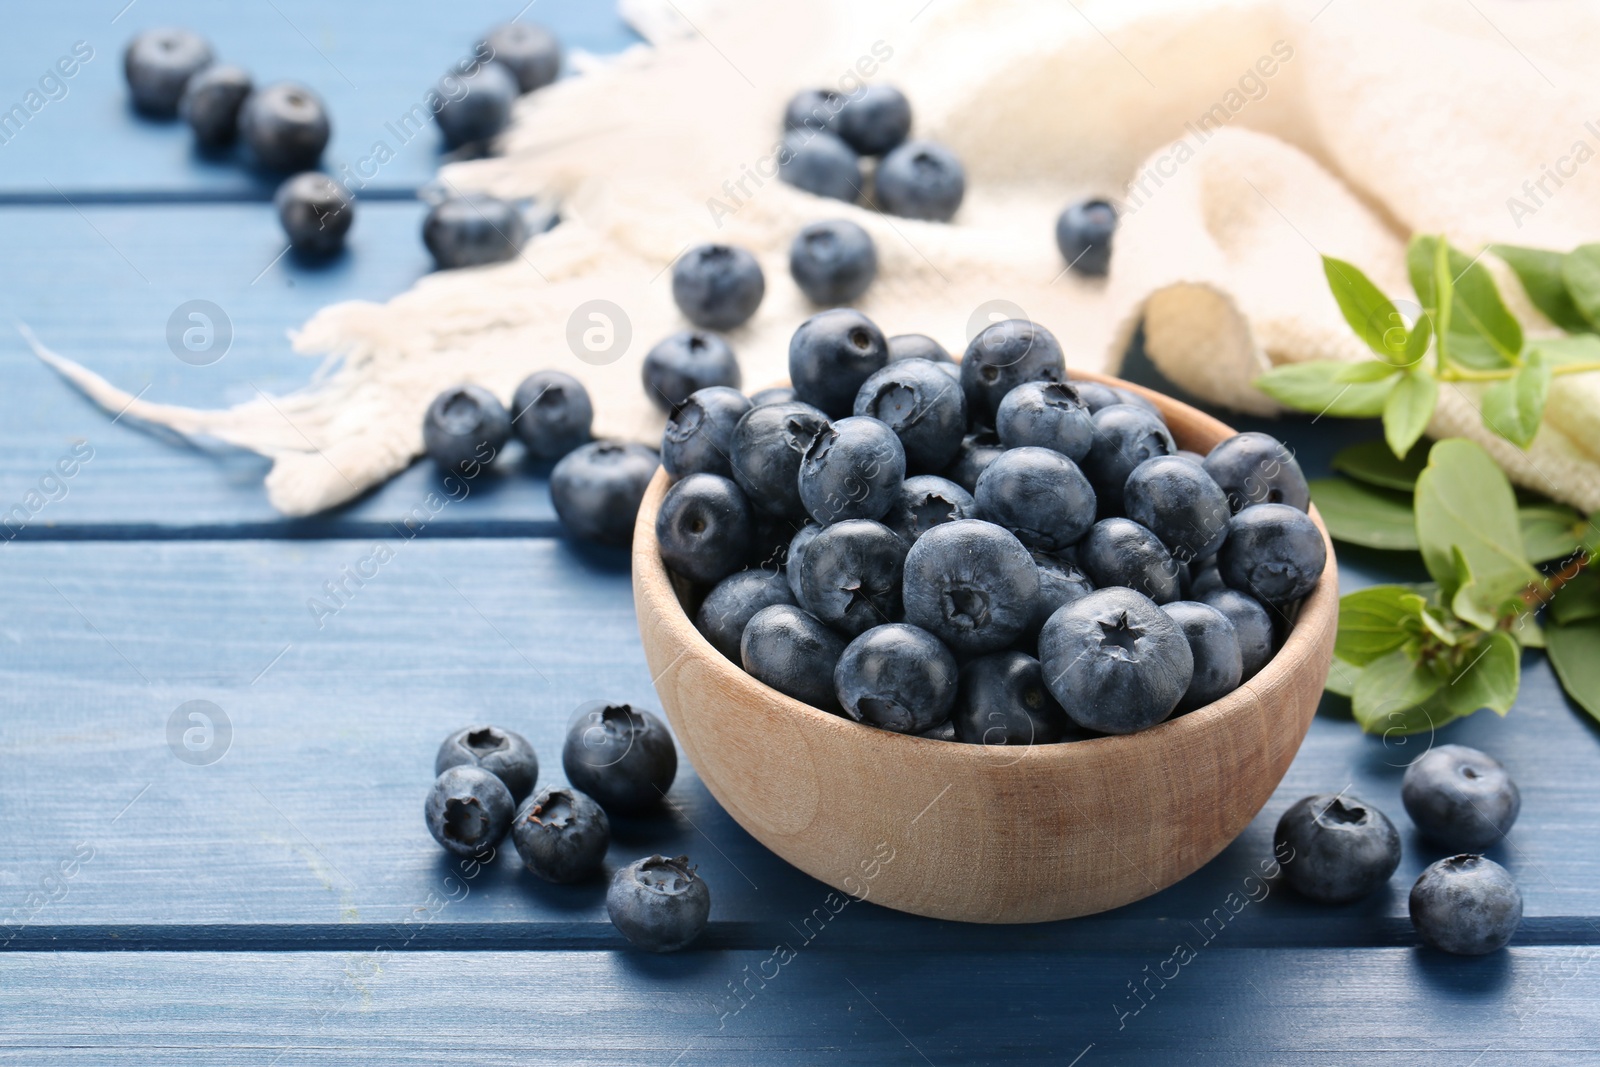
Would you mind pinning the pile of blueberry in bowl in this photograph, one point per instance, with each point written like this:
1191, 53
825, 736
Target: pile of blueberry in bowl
987, 552
1053, 638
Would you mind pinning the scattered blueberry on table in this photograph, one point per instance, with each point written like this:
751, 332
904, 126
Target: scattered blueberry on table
717, 286
621, 756
464, 426
833, 261
530, 51
284, 127
1466, 905
561, 834
476, 105
316, 213
158, 65
1083, 233
473, 230
920, 180
211, 102
1336, 848
502, 753
660, 905
551, 414
468, 810
1460, 798
683, 363
596, 489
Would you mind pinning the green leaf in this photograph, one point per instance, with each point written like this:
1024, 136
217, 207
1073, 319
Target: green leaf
1515, 407
1374, 463
1362, 515
1417, 342
1489, 679
1318, 387
1578, 600
1476, 328
1342, 678
1370, 314
1551, 531
1572, 654
1463, 501
1481, 605
1580, 270
1375, 621
1540, 273
1558, 351
1408, 409
1390, 693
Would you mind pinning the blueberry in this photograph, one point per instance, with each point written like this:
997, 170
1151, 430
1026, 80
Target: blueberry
1214, 644
468, 810
874, 120
158, 65
1046, 415
820, 164
1060, 583
768, 445
1083, 233
977, 451
1124, 437
1119, 551
1460, 797
852, 470
551, 413
505, 755
528, 50
971, 584
284, 126
797, 549
1115, 661
923, 405
833, 261
475, 107
789, 649
1274, 552
1039, 495
1251, 624
1003, 700
770, 548
1138, 400
896, 677
1467, 905
850, 575
812, 109
729, 607
775, 394
472, 230
211, 102
1336, 849
699, 435
1179, 503
832, 355
921, 180
464, 426
1203, 580
561, 834
660, 905
1256, 468
316, 213
597, 487
621, 756
923, 502
917, 346
1096, 396
1002, 357
717, 287
686, 362
704, 528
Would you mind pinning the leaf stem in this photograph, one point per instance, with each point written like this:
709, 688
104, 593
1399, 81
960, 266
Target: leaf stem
1457, 373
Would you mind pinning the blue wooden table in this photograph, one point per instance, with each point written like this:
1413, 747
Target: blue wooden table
273, 898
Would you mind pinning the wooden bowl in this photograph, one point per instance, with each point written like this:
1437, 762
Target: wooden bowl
973, 832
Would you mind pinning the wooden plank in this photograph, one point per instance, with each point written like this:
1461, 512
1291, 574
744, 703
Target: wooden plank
87, 144
100, 285
311, 821
1225, 1006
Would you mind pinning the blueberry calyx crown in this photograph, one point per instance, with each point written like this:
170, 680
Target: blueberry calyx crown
485, 740
556, 809
669, 877
465, 820
1340, 812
